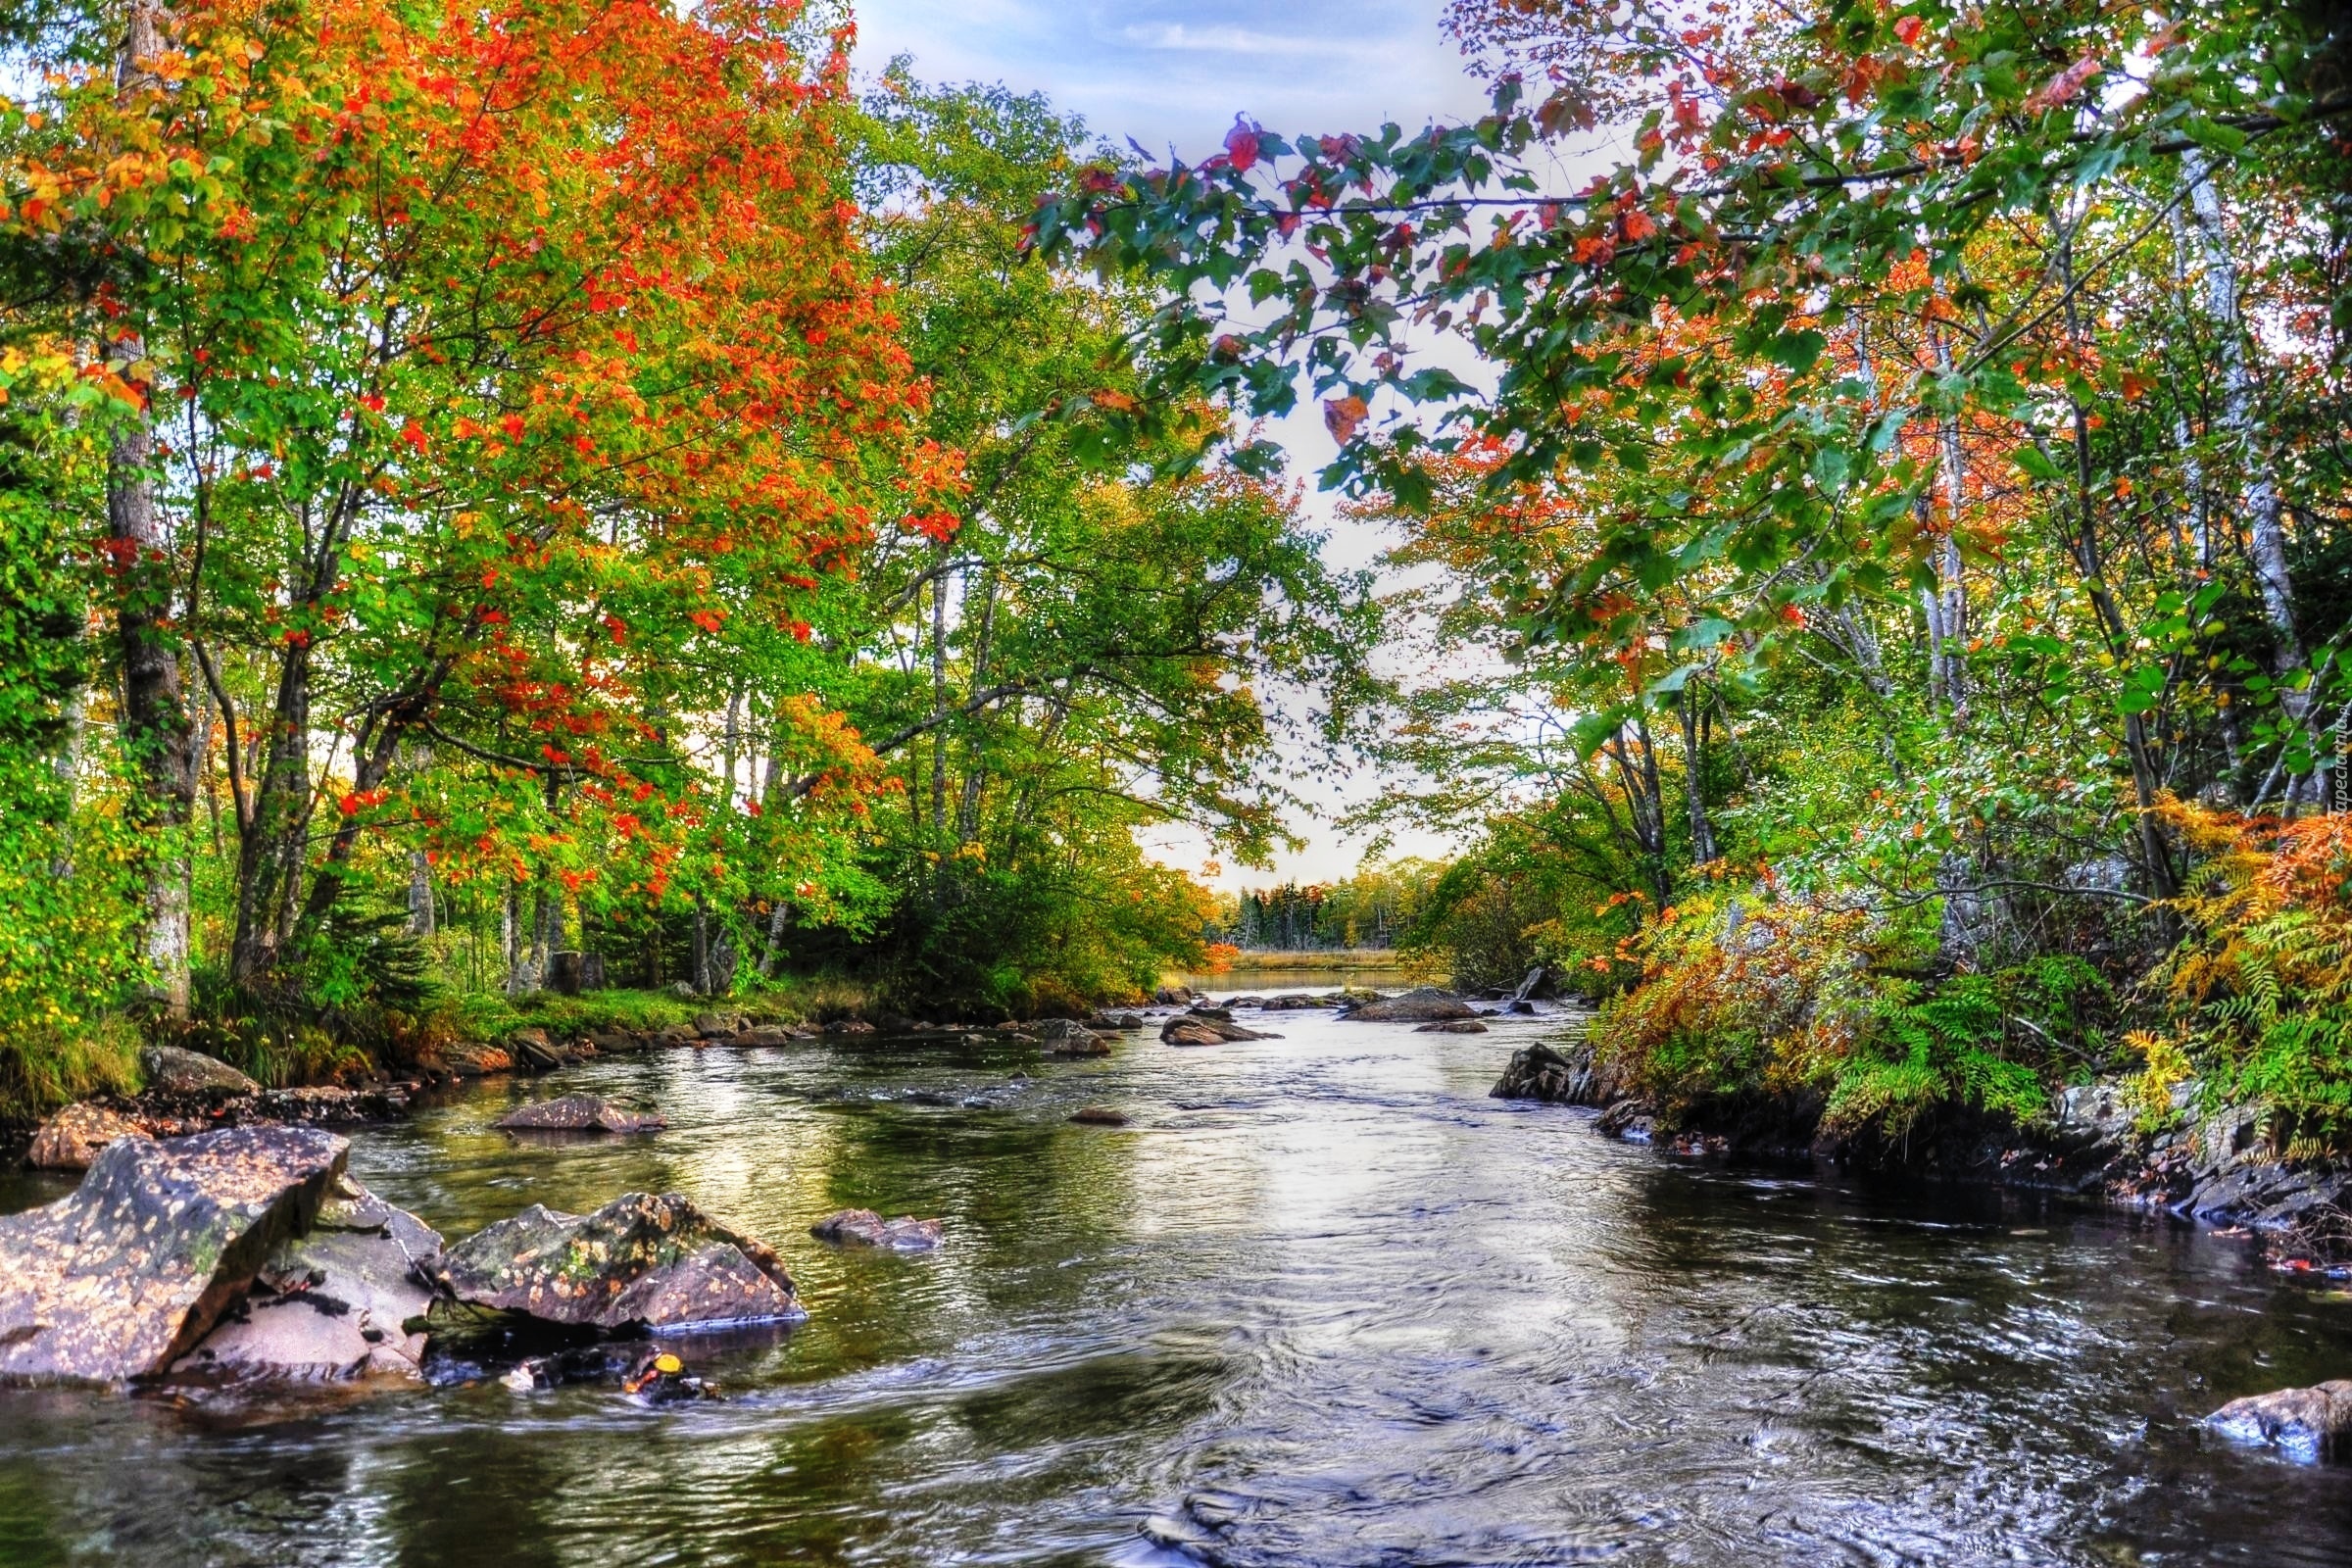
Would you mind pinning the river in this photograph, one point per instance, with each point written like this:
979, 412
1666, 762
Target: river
1323, 1302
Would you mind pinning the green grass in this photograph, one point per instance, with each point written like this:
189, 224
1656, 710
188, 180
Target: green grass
42, 1069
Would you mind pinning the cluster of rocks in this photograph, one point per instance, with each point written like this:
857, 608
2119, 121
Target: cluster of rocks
190, 1093
249, 1253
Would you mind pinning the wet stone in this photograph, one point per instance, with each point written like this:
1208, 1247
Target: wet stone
121, 1278
634, 1262
2314, 1422
73, 1138
863, 1227
579, 1113
332, 1304
1065, 1036
1425, 1005
1205, 1029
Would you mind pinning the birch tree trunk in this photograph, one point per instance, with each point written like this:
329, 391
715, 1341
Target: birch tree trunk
2266, 530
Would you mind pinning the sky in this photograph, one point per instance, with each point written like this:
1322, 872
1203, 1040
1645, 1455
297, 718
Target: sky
1175, 75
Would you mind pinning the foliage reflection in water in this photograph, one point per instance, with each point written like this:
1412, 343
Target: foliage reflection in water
1322, 1303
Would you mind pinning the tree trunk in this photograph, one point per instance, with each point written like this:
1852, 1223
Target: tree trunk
421, 921
939, 701
1694, 792
155, 731
270, 856
2265, 514
702, 947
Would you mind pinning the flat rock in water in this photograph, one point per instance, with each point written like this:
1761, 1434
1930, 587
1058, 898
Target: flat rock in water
121, 1278
640, 1260
1205, 1029
73, 1138
863, 1227
2314, 1422
332, 1304
1099, 1117
1425, 1005
174, 1071
579, 1113
1453, 1026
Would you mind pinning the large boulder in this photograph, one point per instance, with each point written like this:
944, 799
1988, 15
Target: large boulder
121, 1278
579, 1113
638, 1261
1569, 1078
333, 1304
1428, 1004
171, 1070
71, 1139
2312, 1423
1066, 1037
863, 1227
1171, 997
1205, 1029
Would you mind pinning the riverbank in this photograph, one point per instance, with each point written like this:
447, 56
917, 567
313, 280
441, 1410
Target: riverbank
2209, 1164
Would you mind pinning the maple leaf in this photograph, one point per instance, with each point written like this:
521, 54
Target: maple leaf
1240, 144
1344, 417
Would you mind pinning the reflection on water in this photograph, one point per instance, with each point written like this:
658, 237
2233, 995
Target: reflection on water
1324, 1302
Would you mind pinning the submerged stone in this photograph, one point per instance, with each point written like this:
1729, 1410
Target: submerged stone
579, 1113
1099, 1117
2314, 1422
863, 1227
1453, 1026
640, 1260
121, 1278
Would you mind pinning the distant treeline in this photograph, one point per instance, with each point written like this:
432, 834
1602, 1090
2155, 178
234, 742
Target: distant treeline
1374, 908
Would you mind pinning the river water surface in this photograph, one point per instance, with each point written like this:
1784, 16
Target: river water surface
1323, 1302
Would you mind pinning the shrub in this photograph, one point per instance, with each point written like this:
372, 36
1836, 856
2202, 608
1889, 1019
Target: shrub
1750, 994
2260, 987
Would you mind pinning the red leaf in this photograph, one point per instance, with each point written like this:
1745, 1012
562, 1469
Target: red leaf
1908, 29
1240, 144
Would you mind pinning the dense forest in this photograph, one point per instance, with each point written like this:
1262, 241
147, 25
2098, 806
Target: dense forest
592, 498
1876, 475
591, 494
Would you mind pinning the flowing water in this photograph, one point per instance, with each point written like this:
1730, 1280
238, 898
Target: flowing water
1323, 1302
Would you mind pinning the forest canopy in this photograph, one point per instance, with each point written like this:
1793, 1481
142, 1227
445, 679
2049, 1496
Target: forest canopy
592, 493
